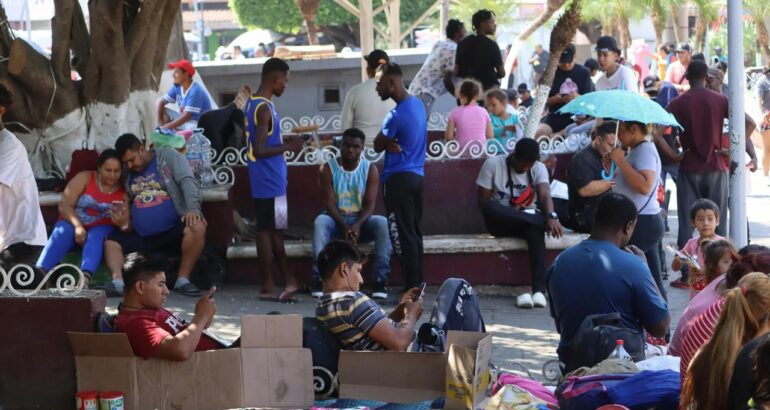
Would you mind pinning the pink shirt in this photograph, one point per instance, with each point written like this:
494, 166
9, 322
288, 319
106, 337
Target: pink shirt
697, 305
675, 73
700, 333
470, 123
691, 248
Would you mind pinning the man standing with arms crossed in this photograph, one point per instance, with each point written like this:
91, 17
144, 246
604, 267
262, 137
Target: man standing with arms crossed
404, 137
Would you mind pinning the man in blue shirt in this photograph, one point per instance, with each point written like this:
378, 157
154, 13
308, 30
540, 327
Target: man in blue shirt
602, 275
191, 97
268, 176
404, 137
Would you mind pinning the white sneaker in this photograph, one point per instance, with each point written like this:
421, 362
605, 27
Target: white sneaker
524, 301
539, 300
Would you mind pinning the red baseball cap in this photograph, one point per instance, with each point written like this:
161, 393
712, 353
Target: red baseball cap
184, 65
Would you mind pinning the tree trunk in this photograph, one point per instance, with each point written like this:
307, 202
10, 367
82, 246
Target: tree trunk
561, 36
762, 37
177, 47
675, 24
657, 25
625, 34
309, 10
701, 26
552, 6
120, 63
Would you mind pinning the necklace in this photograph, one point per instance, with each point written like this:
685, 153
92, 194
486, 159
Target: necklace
101, 187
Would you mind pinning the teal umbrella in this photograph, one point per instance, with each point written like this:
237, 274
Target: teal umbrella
620, 105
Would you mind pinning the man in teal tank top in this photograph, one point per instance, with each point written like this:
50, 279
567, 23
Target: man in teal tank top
349, 187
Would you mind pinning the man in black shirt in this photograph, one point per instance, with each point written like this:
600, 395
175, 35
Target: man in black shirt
478, 56
570, 81
526, 95
584, 178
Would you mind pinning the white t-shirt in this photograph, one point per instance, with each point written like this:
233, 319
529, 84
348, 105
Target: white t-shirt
365, 110
494, 176
623, 78
643, 157
20, 216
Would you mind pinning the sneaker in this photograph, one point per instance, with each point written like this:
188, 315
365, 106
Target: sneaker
188, 289
110, 289
680, 284
379, 292
538, 299
524, 301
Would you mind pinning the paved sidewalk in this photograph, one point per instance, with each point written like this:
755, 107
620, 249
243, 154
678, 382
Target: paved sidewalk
527, 336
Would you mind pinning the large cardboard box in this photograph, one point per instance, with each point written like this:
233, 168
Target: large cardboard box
271, 369
462, 373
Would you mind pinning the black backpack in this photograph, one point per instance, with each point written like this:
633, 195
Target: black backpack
595, 341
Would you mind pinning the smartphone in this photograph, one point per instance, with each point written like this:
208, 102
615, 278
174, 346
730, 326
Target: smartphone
213, 292
118, 206
422, 291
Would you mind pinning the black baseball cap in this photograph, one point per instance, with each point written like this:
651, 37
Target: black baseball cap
684, 47
522, 87
376, 58
605, 44
651, 83
568, 55
512, 94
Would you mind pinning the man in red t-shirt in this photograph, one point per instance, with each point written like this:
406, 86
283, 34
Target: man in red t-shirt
152, 330
702, 172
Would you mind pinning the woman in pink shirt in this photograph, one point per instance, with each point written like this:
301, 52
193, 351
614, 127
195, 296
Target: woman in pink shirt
469, 122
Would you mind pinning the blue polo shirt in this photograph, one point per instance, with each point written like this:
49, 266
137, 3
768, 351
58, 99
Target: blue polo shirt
597, 277
406, 123
195, 100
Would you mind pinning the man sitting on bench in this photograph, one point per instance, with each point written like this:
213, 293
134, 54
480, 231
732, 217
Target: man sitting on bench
152, 330
359, 323
165, 213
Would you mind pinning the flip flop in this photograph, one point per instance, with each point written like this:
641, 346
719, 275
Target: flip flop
288, 297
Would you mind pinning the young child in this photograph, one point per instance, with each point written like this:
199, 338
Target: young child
505, 125
704, 214
718, 256
468, 122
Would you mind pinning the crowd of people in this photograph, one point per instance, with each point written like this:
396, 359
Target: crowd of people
141, 200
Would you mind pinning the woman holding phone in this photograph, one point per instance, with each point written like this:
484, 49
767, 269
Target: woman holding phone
94, 203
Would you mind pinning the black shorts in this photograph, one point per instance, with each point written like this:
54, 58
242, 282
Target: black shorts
168, 241
271, 213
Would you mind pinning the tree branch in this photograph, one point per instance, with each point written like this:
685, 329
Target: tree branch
107, 77
170, 9
60, 43
81, 43
140, 26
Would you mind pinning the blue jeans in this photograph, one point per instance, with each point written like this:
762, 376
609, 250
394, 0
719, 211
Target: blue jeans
62, 241
375, 229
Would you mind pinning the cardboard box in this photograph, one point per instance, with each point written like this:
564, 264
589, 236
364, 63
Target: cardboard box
271, 369
461, 374
467, 371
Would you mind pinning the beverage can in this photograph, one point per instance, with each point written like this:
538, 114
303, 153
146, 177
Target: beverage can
111, 400
87, 400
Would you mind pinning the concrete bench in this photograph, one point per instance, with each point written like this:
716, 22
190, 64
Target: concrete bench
483, 259
217, 208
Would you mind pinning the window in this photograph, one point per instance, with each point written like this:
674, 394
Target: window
330, 97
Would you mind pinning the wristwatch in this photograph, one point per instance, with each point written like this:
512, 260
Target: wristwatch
553, 215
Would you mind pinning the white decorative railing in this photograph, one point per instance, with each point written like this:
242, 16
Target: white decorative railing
70, 282
436, 122
230, 157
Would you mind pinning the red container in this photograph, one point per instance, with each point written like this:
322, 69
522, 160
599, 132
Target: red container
111, 400
87, 400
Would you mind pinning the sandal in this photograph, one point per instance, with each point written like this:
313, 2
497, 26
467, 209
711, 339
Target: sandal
288, 297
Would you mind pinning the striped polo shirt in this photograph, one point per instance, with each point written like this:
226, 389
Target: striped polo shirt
350, 316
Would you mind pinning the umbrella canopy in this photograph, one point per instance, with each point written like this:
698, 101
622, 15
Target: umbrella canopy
620, 105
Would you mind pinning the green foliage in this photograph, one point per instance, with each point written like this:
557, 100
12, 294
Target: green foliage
464, 9
284, 15
605, 10
719, 38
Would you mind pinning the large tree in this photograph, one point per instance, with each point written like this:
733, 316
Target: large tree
119, 61
334, 21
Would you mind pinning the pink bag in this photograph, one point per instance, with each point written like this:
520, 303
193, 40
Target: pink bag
532, 386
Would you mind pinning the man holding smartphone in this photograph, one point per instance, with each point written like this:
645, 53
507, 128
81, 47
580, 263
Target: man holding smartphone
349, 186
359, 323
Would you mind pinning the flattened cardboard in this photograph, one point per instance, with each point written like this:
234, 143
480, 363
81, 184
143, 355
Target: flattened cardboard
467, 371
274, 376
271, 331
400, 377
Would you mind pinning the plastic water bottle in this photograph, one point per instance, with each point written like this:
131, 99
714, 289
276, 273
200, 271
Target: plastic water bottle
198, 148
620, 352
